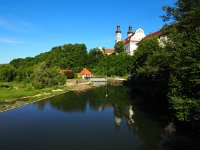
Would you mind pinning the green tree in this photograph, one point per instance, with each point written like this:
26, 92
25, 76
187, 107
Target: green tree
7, 72
95, 55
72, 56
119, 47
184, 32
111, 65
46, 77
150, 70
174, 70
24, 67
69, 56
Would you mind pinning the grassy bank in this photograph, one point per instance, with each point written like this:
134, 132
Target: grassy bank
14, 94
10, 91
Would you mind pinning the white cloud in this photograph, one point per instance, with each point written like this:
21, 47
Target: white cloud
16, 25
10, 41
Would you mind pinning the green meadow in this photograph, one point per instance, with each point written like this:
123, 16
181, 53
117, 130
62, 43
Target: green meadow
11, 91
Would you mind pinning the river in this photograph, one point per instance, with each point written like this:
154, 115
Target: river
103, 118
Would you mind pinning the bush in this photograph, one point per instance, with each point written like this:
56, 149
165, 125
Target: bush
7, 72
37, 84
47, 77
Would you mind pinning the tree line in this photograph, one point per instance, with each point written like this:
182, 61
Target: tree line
43, 70
173, 70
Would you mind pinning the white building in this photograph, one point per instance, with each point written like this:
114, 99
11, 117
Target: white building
132, 39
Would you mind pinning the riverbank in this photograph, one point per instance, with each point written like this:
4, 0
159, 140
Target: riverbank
9, 104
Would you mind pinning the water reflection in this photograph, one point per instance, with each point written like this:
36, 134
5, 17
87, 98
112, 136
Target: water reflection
130, 118
145, 131
41, 104
125, 115
118, 115
95, 100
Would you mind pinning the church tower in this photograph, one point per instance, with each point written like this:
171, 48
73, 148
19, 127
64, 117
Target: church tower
118, 34
130, 32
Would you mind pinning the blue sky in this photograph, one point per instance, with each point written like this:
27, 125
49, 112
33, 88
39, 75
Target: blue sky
31, 27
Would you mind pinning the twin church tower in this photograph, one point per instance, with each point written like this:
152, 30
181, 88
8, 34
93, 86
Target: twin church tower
132, 38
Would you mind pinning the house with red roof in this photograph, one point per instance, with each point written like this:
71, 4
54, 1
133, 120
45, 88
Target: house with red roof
109, 51
162, 38
152, 35
85, 73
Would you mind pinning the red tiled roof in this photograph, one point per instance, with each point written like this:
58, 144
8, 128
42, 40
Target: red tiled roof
128, 39
109, 51
132, 41
67, 71
124, 41
85, 72
152, 35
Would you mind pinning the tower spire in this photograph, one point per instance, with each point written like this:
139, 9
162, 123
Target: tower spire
118, 29
118, 34
130, 31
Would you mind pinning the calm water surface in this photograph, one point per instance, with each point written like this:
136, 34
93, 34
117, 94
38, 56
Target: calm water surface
88, 121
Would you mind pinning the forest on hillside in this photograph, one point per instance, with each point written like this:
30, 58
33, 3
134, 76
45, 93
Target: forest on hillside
43, 70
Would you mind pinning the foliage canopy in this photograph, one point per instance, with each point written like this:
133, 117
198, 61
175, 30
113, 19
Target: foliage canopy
174, 69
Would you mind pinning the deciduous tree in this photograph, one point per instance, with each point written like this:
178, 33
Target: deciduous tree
119, 47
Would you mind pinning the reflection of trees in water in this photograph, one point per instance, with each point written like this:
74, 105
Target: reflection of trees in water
70, 102
150, 130
41, 104
96, 99
139, 122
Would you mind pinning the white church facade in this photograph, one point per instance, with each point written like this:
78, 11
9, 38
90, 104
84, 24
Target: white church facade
132, 39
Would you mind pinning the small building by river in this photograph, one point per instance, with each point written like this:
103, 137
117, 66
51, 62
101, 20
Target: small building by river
85, 73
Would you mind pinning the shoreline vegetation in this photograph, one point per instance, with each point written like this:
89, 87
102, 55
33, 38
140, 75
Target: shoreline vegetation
27, 98
166, 66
